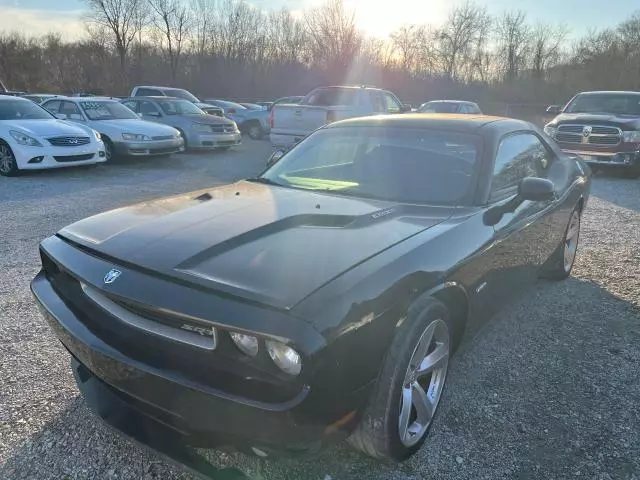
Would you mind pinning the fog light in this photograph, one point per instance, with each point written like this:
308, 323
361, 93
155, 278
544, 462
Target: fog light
36, 160
246, 343
101, 154
286, 358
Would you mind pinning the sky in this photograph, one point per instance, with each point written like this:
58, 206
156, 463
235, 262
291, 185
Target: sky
375, 17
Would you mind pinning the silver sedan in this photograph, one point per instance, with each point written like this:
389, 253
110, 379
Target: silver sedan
199, 130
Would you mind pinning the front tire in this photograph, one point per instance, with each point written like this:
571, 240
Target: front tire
8, 164
562, 260
402, 407
108, 149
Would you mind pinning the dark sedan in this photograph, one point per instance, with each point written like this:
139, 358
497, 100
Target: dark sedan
320, 300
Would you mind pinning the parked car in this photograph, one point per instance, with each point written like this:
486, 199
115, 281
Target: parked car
198, 129
31, 138
122, 131
603, 128
155, 91
324, 105
323, 298
252, 106
254, 122
38, 97
450, 106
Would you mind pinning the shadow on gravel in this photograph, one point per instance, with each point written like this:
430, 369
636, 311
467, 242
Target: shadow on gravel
546, 389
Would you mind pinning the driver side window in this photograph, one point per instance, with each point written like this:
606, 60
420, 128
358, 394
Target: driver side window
53, 106
519, 156
148, 108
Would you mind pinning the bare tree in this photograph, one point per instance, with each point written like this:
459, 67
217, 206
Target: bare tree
513, 36
173, 21
203, 15
458, 35
546, 47
119, 18
335, 39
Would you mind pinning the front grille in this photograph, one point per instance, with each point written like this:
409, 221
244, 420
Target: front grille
223, 128
74, 158
162, 137
68, 141
163, 150
579, 134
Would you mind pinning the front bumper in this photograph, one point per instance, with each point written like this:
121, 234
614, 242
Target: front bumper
623, 159
214, 140
148, 374
37, 158
150, 148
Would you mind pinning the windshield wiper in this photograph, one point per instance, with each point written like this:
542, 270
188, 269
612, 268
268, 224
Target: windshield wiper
264, 181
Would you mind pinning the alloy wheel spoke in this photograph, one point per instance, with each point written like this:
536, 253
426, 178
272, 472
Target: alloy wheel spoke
434, 360
405, 412
423, 346
424, 407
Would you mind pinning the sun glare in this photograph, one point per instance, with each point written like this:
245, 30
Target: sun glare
379, 19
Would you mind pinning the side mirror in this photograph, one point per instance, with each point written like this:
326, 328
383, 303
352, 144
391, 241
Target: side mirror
60, 116
276, 156
530, 188
76, 116
536, 189
139, 115
554, 109
154, 114
406, 108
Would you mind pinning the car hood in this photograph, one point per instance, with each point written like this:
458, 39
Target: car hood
208, 119
44, 128
626, 122
133, 125
270, 245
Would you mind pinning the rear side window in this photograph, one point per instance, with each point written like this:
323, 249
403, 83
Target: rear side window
132, 105
392, 103
53, 106
148, 92
519, 156
326, 97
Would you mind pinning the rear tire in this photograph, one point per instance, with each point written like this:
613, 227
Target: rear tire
254, 130
8, 164
562, 260
403, 405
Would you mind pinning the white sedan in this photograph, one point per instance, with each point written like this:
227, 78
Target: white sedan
31, 138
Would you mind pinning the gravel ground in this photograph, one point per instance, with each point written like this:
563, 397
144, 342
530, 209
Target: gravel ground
547, 389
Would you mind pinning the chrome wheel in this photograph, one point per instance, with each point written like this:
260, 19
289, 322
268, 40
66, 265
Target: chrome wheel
424, 382
571, 241
7, 160
255, 132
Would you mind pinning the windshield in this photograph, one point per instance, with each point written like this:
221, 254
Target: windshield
106, 110
407, 165
179, 107
439, 107
615, 103
179, 93
22, 110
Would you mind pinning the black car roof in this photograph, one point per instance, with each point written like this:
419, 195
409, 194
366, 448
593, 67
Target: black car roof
452, 122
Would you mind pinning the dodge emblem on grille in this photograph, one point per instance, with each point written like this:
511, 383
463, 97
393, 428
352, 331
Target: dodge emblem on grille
586, 131
112, 275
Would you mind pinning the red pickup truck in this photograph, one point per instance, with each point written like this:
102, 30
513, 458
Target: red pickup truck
601, 127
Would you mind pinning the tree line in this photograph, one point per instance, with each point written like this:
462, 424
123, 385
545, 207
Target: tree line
230, 49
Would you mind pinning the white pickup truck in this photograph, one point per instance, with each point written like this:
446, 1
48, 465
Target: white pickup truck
291, 123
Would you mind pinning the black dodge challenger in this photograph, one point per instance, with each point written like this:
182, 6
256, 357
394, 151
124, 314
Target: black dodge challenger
322, 299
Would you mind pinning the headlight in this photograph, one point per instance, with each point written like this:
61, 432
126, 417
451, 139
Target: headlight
235, 127
136, 137
97, 135
177, 134
551, 131
201, 127
286, 358
632, 136
24, 139
247, 343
